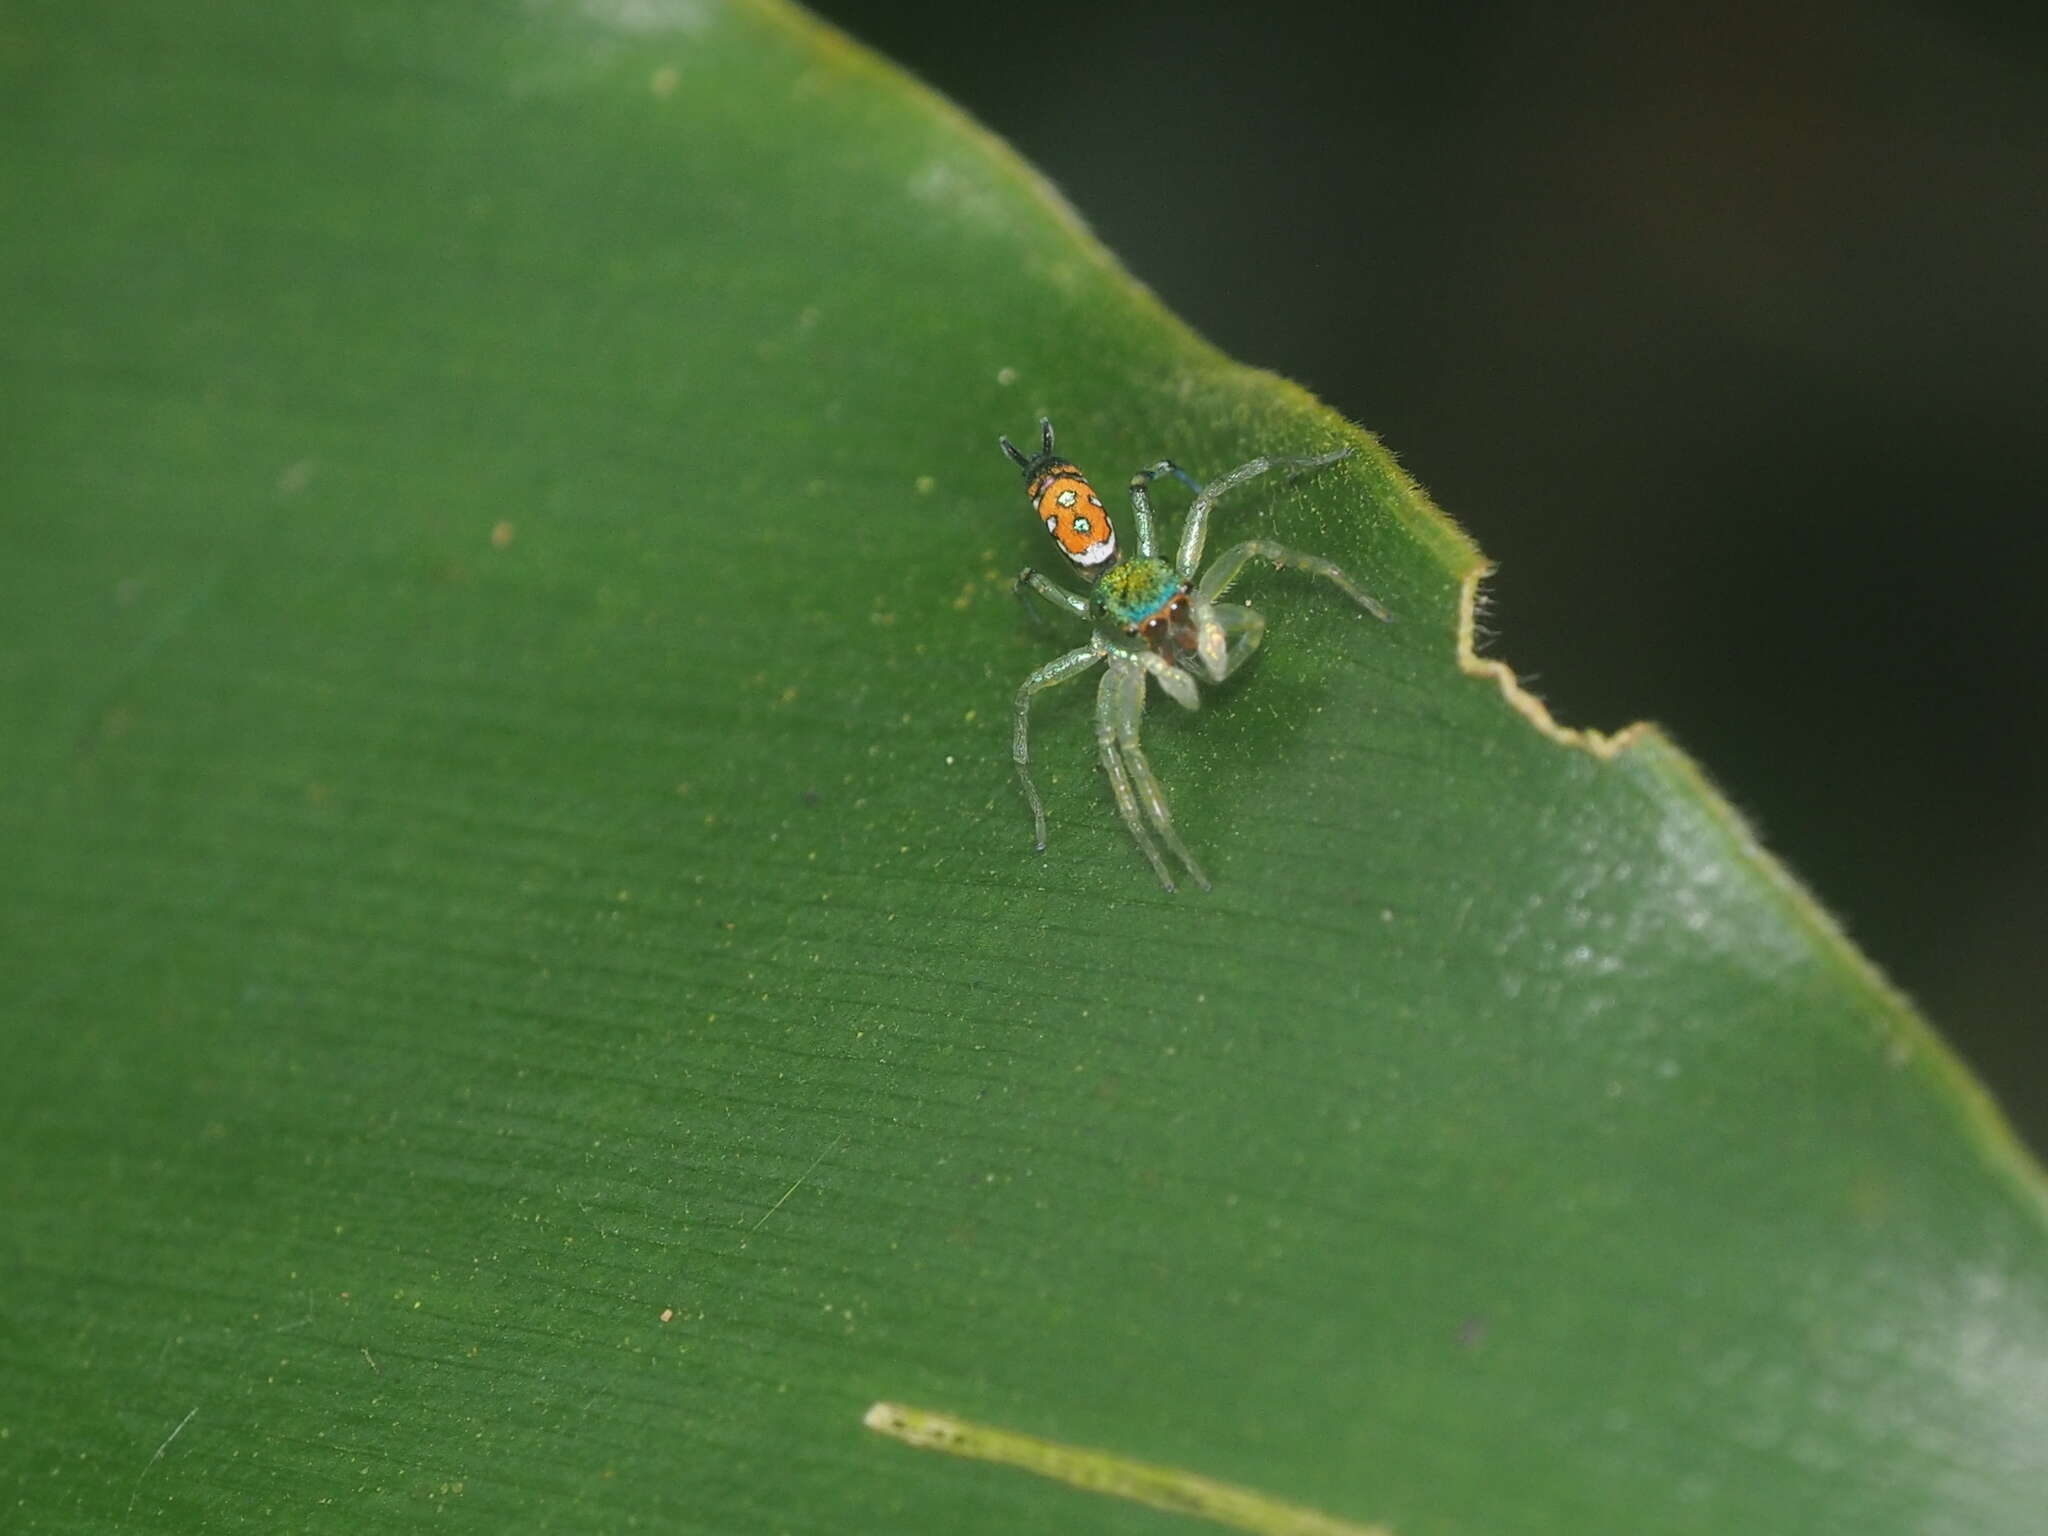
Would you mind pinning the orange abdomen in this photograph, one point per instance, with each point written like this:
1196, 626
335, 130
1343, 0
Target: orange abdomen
1073, 514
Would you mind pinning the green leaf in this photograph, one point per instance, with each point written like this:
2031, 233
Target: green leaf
530, 998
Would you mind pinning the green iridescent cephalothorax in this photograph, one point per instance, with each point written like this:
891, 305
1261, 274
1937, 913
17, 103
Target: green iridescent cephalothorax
1134, 590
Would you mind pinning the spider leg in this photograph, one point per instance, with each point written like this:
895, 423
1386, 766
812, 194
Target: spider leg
1141, 501
1053, 593
1243, 628
1123, 699
1228, 634
1196, 534
1056, 671
1178, 682
1232, 560
1113, 705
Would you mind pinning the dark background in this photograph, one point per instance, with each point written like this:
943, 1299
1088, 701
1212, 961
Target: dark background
1725, 332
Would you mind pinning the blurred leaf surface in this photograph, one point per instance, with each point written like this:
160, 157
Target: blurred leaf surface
529, 996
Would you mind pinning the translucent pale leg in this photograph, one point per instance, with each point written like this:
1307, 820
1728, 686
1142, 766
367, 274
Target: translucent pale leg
1178, 682
1232, 560
1195, 537
1057, 595
1141, 501
1110, 706
1056, 671
1243, 629
1225, 635
1128, 710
